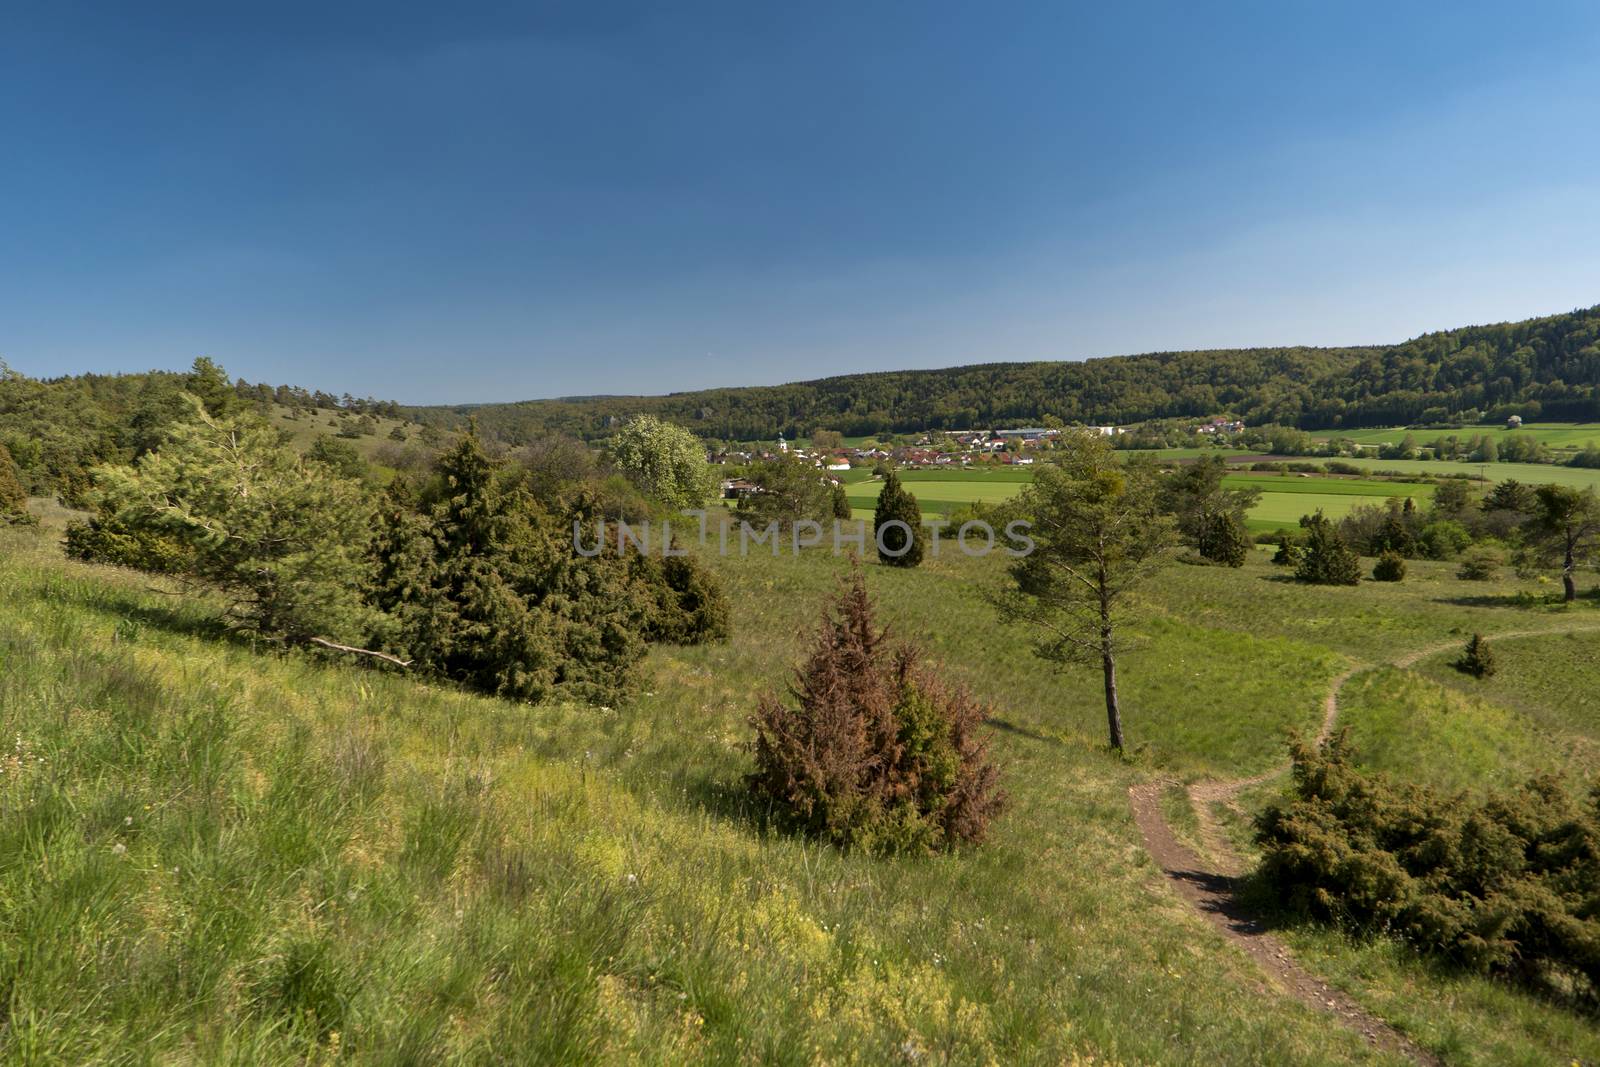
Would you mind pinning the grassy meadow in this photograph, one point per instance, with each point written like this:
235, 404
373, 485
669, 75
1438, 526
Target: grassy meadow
1284, 496
1564, 435
215, 852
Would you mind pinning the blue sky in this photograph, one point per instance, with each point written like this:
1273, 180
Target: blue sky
453, 203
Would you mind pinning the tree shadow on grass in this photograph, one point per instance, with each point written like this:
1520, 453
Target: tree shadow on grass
181, 617
1516, 601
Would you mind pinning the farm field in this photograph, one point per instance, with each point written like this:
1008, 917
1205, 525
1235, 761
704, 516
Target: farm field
1527, 473
255, 852
1554, 434
1284, 498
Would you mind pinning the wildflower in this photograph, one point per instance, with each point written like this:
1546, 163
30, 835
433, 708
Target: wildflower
118, 849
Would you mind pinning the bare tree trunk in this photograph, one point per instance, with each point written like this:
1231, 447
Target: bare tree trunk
1113, 709
1569, 584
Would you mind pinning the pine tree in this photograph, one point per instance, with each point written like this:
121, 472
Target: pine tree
898, 546
841, 502
1476, 659
1325, 559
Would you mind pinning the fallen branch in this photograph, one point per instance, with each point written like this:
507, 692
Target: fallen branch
325, 643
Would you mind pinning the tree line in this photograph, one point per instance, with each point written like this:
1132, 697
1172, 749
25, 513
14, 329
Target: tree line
1539, 368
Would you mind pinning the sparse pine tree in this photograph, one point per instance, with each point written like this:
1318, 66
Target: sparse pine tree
1476, 659
898, 546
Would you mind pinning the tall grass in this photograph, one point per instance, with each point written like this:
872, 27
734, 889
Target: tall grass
213, 852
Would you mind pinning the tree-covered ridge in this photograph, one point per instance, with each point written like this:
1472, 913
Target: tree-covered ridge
58, 428
1546, 367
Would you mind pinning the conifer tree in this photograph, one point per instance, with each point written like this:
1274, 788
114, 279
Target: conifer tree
841, 502
1476, 659
1325, 559
898, 546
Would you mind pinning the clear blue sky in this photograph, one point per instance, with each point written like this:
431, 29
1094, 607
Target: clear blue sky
450, 203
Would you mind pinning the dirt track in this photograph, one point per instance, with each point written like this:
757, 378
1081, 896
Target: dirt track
1210, 886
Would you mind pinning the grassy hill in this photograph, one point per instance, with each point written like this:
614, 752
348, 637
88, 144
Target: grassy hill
1539, 368
211, 851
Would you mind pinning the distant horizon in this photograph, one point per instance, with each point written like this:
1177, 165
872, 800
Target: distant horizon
581, 397
535, 201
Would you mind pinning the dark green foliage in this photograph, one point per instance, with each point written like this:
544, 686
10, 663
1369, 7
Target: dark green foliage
873, 751
1509, 883
689, 605
1290, 552
338, 456
1476, 659
1509, 495
897, 546
13, 498
1482, 564
109, 538
841, 502
1325, 559
1222, 538
1547, 366
1391, 567
1210, 517
486, 589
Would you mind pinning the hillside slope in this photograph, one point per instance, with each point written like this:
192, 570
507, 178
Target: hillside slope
1546, 367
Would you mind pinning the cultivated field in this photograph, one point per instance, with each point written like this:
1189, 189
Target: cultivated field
1284, 497
1554, 434
209, 846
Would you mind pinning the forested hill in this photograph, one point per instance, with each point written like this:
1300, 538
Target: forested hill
1546, 367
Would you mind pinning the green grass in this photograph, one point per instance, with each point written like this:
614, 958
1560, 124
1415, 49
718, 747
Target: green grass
1284, 497
304, 429
1554, 434
1527, 473
209, 851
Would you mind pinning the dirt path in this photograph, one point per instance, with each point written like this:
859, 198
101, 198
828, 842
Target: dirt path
1209, 887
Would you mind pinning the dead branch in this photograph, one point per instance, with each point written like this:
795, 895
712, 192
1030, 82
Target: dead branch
325, 643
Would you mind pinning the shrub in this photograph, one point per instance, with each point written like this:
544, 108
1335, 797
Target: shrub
487, 589
841, 502
873, 751
1443, 539
1480, 565
1476, 659
13, 498
690, 607
1289, 554
1224, 539
1508, 883
895, 546
1325, 558
1391, 567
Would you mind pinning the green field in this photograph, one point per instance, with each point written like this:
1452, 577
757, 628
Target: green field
1554, 434
1284, 497
212, 847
